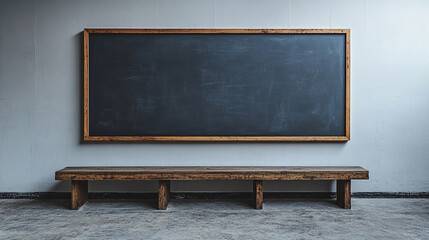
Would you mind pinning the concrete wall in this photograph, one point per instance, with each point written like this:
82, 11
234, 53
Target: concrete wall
41, 72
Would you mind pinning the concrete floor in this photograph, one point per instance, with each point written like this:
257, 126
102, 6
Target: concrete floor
226, 219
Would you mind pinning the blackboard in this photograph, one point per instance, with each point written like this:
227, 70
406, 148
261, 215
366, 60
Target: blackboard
216, 85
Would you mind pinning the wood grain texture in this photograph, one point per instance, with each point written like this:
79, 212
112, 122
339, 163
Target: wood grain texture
258, 194
79, 177
86, 84
344, 193
79, 193
216, 139
219, 31
87, 137
347, 32
212, 173
163, 194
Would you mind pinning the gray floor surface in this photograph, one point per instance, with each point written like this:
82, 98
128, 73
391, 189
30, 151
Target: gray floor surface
226, 219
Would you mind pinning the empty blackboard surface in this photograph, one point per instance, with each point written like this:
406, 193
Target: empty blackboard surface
198, 85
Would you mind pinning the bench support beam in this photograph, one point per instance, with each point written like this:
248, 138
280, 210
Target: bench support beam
344, 193
79, 193
163, 194
258, 194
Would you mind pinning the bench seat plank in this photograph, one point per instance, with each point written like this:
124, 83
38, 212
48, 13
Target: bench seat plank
212, 173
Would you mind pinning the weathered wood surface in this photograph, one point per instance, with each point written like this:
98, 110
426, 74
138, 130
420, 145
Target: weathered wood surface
221, 138
344, 193
212, 173
79, 177
348, 85
163, 194
217, 31
79, 194
86, 83
258, 194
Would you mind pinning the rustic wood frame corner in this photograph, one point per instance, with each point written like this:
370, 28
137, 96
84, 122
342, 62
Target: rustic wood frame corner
87, 137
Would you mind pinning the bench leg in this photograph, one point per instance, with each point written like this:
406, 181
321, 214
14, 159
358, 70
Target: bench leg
163, 194
344, 193
79, 194
258, 194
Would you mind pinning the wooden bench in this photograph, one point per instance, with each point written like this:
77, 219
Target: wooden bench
80, 176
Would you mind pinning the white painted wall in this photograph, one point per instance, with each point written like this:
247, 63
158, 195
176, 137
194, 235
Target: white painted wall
41, 71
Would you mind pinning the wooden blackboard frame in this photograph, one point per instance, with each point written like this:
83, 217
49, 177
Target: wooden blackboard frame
87, 137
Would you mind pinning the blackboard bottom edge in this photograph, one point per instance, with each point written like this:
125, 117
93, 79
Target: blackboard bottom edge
216, 139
